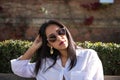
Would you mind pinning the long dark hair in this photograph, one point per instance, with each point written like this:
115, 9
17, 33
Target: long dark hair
44, 51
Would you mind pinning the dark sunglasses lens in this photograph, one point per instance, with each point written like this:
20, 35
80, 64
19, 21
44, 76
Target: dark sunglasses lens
52, 38
61, 31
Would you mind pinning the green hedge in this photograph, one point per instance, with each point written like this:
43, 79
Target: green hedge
10, 49
109, 54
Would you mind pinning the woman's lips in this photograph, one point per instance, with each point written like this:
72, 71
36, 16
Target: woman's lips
62, 42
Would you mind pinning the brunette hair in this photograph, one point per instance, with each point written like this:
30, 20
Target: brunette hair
44, 51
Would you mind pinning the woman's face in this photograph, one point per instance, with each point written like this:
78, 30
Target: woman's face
56, 37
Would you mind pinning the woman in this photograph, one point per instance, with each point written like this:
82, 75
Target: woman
58, 57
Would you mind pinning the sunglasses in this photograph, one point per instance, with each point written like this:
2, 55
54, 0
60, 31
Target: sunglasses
53, 37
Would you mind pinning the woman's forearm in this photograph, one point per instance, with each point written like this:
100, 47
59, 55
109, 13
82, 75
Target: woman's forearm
30, 52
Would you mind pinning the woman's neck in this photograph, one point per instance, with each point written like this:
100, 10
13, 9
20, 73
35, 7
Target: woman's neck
64, 57
64, 53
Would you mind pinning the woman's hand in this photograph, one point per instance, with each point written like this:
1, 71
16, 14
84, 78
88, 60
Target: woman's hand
37, 42
30, 52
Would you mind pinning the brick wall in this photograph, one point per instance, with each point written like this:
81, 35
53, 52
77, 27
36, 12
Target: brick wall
87, 20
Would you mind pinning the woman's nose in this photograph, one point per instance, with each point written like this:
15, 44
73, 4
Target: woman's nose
59, 37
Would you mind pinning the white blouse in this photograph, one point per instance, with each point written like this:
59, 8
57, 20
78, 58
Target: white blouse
88, 67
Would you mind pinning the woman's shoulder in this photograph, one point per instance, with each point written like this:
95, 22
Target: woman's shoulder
83, 52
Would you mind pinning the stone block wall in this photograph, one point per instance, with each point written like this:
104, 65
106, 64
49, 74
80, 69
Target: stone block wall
87, 20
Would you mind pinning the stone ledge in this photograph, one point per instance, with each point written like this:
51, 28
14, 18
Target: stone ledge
110, 77
4, 76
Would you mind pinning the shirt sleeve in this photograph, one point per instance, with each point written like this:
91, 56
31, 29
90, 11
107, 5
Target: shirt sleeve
23, 68
95, 69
